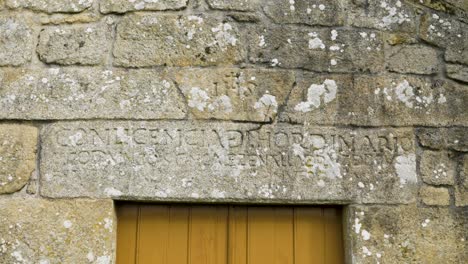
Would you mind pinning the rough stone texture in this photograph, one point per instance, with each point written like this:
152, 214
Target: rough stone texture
461, 196
238, 5
234, 94
227, 162
413, 59
16, 40
434, 195
407, 234
316, 49
437, 168
457, 72
316, 12
172, 40
390, 15
74, 93
444, 138
122, 6
52, 6
461, 189
61, 231
447, 33
17, 156
83, 44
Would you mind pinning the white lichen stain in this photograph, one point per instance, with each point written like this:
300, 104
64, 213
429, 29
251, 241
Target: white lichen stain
365, 235
223, 36
217, 194
394, 15
103, 260
267, 103
200, 100
67, 224
111, 191
90, 256
405, 167
316, 93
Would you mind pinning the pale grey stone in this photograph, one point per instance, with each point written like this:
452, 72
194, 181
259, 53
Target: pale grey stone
122, 6
457, 72
84, 93
52, 6
448, 33
434, 195
437, 168
233, 93
17, 156
461, 196
237, 5
83, 44
310, 12
455, 138
57, 231
183, 160
406, 234
173, 40
318, 49
389, 15
417, 59
16, 40
404, 100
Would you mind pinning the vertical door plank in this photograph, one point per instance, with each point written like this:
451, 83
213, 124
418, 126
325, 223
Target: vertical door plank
178, 235
333, 236
309, 236
127, 216
153, 234
208, 235
260, 236
284, 235
237, 243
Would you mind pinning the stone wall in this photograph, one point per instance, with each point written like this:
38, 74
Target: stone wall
361, 103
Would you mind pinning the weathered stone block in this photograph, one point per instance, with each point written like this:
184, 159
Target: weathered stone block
173, 40
455, 138
407, 234
237, 5
391, 15
417, 59
59, 231
83, 44
316, 49
52, 6
461, 196
404, 100
315, 12
448, 33
70, 93
437, 168
315, 99
234, 94
122, 6
434, 195
17, 156
16, 45
457, 72
228, 162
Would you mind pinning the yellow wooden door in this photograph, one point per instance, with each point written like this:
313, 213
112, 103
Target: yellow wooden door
189, 234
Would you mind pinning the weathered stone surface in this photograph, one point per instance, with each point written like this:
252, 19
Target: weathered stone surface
238, 5
71, 93
434, 195
316, 49
407, 234
447, 33
16, 40
461, 196
83, 44
437, 168
17, 156
455, 138
315, 99
52, 6
228, 162
391, 15
173, 40
122, 6
60, 231
464, 172
417, 59
234, 94
315, 12
404, 100
457, 72
461, 189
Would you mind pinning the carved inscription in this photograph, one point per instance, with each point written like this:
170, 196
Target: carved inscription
149, 158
